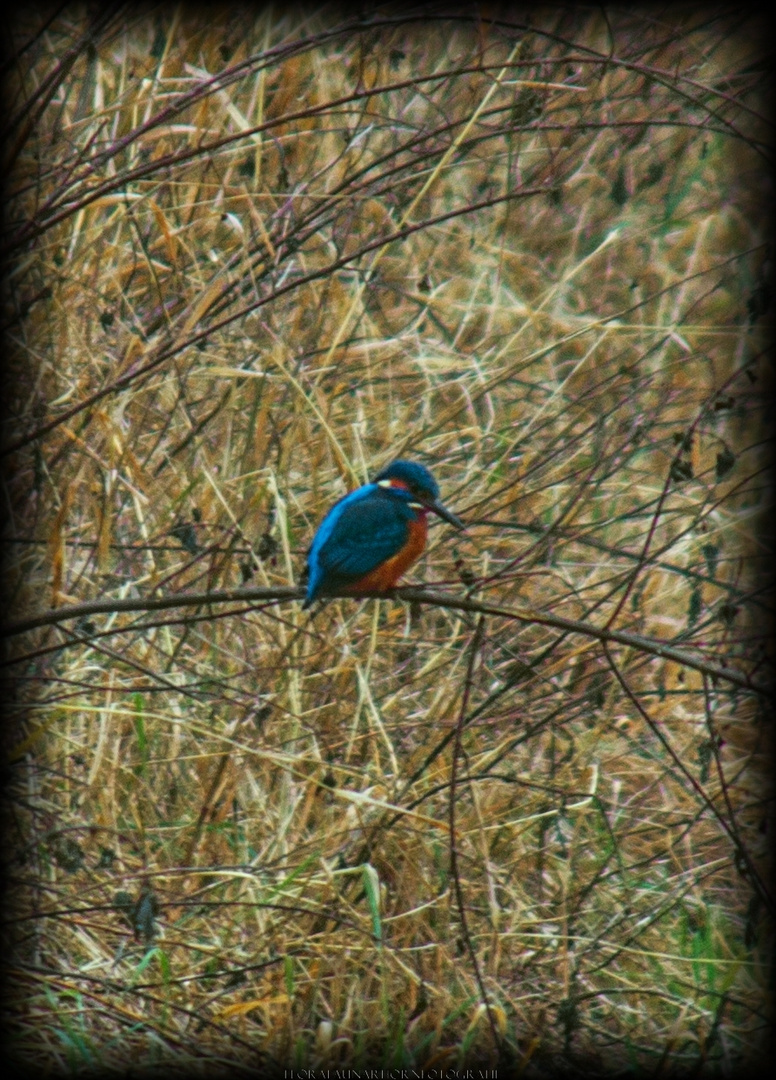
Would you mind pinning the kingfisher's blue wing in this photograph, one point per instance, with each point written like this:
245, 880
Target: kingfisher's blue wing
359, 532
362, 538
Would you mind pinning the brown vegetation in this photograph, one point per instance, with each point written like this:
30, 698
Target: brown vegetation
518, 817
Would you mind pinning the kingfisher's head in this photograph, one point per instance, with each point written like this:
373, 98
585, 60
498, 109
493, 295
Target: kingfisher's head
409, 476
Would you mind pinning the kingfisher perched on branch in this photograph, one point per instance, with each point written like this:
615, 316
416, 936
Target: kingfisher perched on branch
371, 536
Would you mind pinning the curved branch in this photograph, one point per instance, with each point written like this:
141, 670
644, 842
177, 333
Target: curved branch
283, 593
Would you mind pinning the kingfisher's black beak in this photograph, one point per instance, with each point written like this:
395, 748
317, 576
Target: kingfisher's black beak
445, 514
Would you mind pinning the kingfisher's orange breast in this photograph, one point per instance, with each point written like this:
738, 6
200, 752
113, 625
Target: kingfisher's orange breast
386, 575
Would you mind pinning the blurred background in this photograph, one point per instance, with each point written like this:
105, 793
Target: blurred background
252, 257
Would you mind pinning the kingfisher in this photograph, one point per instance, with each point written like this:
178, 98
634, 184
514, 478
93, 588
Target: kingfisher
371, 536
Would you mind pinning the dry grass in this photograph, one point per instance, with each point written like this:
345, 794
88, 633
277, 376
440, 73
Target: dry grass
253, 258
